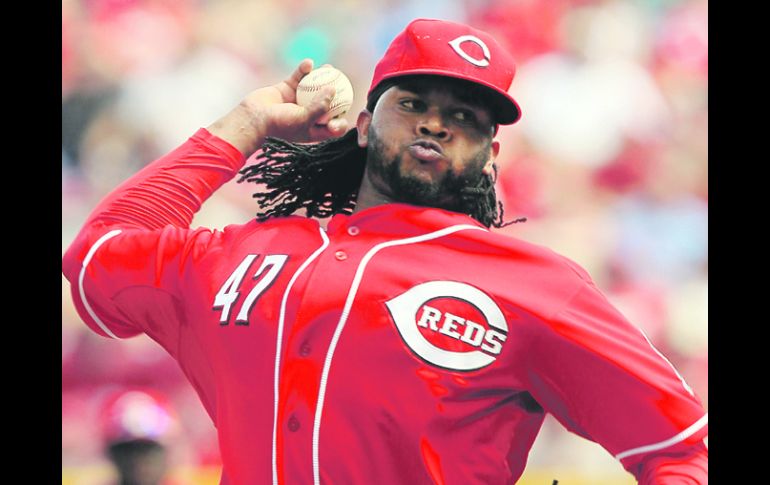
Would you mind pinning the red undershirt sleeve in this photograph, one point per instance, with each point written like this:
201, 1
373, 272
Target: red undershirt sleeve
125, 266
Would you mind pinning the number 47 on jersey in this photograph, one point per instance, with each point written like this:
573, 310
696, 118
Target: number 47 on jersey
228, 294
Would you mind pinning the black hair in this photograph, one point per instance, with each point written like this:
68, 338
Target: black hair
324, 178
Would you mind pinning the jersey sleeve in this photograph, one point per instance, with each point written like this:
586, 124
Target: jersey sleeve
126, 265
602, 378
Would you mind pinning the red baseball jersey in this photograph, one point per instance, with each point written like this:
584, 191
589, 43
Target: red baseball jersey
400, 344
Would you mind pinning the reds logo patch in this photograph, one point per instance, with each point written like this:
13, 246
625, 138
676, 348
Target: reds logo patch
450, 324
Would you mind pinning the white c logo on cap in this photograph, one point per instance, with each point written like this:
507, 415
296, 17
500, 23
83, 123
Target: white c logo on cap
471, 38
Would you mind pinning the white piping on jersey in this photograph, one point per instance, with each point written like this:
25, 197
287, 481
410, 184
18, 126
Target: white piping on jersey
87, 260
681, 379
695, 427
278, 346
344, 317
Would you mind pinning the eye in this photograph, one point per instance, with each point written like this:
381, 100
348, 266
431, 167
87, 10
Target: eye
465, 116
412, 104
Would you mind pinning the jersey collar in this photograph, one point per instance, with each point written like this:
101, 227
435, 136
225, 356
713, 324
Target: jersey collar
399, 218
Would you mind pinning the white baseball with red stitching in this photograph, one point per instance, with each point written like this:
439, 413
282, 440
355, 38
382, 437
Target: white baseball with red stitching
324, 76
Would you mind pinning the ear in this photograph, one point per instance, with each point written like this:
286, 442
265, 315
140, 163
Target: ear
488, 170
362, 124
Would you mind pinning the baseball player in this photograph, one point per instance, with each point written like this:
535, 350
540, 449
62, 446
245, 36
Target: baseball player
137, 425
405, 342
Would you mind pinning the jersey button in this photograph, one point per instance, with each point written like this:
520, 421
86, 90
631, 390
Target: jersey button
353, 230
305, 349
341, 255
293, 424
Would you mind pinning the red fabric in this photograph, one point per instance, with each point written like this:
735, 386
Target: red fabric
403, 384
428, 46
676, 469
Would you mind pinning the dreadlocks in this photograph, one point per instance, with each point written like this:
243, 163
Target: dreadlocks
321, 178
324, 178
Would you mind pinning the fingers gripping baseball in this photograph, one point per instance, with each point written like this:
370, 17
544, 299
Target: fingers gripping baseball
318, 111
304, 123
274, 111
326, 94
288, 87
286, 118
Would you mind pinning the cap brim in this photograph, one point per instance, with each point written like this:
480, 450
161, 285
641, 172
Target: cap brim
507, 111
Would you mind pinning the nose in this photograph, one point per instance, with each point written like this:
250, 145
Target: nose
432, 124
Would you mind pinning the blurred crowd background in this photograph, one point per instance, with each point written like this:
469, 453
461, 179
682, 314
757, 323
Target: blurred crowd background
609, 164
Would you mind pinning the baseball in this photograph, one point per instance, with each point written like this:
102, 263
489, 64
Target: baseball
325, 76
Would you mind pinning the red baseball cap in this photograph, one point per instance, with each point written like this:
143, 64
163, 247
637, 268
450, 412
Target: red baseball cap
137, 414
443, 48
